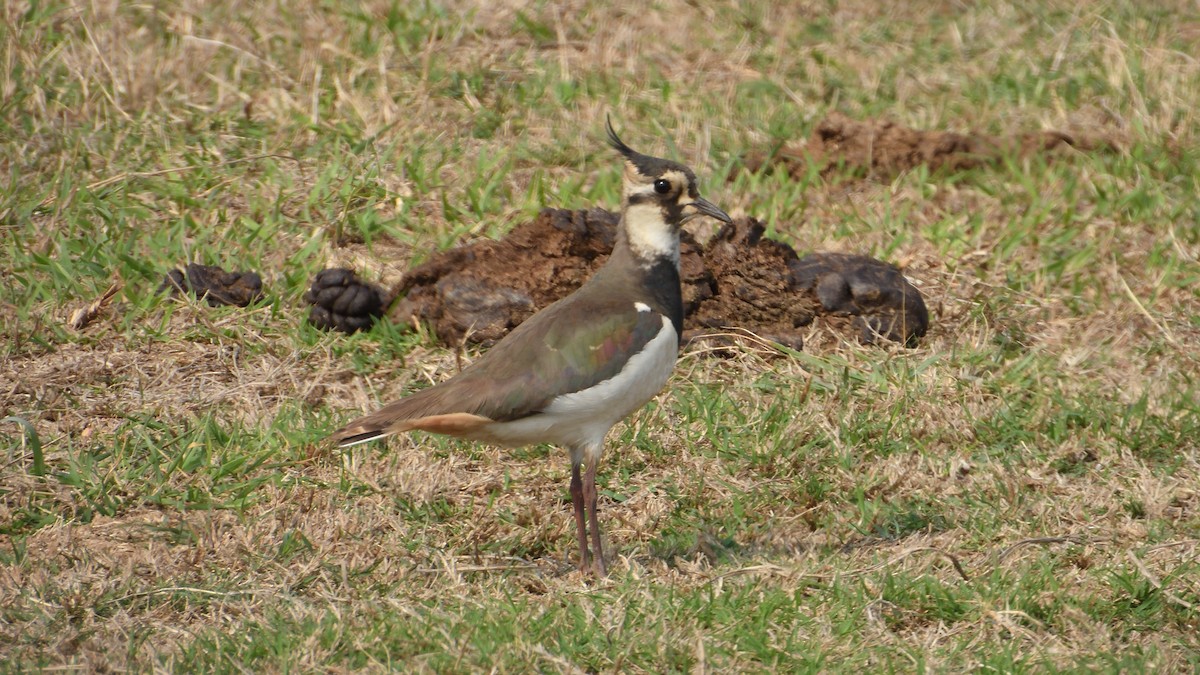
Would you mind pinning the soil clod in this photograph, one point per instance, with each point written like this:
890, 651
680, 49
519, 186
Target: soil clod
342, 301
882, 302
214, 285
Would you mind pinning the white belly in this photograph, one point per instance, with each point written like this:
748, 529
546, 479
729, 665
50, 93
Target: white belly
581, 420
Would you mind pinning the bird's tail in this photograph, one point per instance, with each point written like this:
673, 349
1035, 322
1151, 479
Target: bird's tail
358, 433
384, 423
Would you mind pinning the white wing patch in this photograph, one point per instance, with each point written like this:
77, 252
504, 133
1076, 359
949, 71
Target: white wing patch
641, 307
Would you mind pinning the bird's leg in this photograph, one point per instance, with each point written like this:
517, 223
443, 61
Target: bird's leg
580, 528
589, 493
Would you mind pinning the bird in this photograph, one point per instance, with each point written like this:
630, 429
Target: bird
569, 373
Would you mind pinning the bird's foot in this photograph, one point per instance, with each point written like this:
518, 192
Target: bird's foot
595, 566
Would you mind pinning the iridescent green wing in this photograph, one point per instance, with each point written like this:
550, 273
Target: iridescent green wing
560, 351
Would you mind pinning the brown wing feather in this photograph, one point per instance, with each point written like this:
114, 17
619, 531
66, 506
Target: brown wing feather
425, 410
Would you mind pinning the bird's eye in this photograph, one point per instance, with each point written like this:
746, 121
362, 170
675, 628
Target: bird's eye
662, 186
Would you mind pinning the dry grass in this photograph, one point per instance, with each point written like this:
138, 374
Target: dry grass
1018, 493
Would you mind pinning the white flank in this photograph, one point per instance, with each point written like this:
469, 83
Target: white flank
650, 236
582, 419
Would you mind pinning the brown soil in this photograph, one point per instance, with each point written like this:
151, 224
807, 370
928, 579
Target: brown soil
481, 291
883, 147
737, 279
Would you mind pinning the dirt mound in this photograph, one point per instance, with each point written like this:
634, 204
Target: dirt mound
747, 283
483, 290
883, 147
738, 279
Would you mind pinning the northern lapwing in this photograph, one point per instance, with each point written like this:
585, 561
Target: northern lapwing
573, 370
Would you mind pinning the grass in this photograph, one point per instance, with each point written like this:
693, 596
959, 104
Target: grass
1016, 494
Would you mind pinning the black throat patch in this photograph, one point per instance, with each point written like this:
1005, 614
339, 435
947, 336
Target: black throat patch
661, 279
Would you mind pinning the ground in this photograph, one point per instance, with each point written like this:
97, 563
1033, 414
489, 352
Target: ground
1015, 492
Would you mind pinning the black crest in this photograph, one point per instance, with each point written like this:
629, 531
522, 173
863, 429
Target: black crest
646, 165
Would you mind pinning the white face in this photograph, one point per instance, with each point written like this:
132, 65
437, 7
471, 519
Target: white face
650, 236
647, 205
